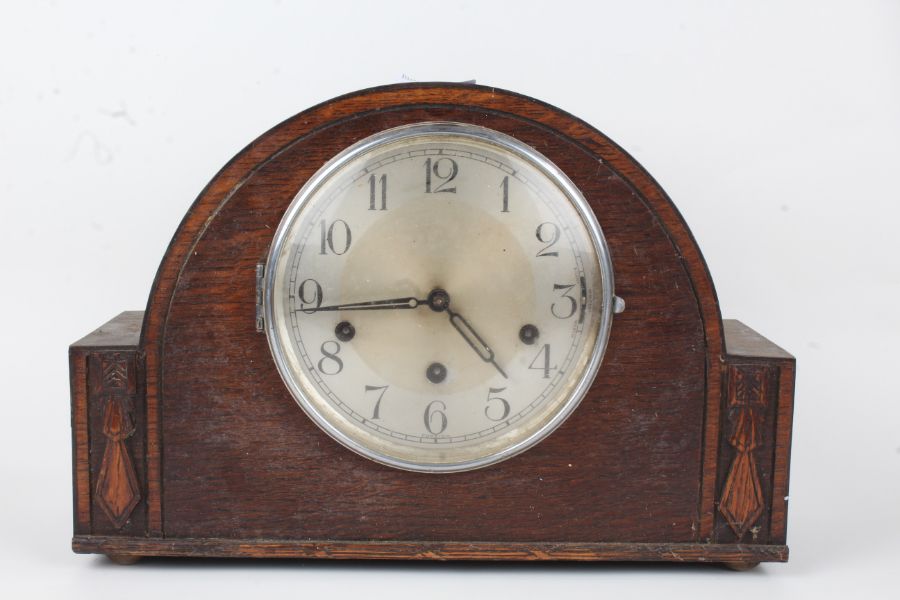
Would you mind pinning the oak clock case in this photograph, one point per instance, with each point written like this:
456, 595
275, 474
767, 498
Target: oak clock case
449, 432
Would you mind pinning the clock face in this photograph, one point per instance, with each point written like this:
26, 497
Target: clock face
438, 297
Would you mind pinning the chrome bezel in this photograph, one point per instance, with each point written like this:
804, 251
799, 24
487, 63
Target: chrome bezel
506, 143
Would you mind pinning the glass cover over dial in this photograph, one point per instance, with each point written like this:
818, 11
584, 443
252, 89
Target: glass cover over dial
438, 297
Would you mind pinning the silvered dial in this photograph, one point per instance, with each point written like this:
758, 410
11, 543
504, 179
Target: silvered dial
438, 297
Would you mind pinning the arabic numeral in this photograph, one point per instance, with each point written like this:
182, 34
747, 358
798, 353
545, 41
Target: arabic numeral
502, 406
444, 170
504, 188
309, 303
565, 313
433, 415
547, 233
332, 234
543, 363
330, 357
376, 413
373, 192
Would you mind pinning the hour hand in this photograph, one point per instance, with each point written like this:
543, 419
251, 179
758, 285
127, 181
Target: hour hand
391, 304
474, 340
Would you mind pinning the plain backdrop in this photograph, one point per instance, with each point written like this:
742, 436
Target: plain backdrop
774, 127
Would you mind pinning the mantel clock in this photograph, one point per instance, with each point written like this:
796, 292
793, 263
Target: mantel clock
432, 321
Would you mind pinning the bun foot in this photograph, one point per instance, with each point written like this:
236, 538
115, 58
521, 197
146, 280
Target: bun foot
740, 566
124, 559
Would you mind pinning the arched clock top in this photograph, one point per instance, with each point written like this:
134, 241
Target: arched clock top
387, 106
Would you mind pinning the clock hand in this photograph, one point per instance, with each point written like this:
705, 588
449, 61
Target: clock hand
473, 339
439, 301
393, 303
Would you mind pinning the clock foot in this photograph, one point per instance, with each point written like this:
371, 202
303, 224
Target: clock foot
124, 559
740, 566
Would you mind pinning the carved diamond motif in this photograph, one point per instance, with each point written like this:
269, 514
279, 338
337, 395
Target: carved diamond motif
742, 500
117, 487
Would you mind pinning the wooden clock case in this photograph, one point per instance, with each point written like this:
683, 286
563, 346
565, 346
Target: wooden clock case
187, 443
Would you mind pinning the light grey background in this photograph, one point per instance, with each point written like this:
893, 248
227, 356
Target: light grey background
774, 126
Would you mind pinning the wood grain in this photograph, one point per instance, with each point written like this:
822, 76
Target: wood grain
108, 433
117, 488
351, 550
81, 496
241, 425
224, 453
747, 349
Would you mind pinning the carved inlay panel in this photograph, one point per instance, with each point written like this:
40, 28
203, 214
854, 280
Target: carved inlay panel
743, 500
117, 490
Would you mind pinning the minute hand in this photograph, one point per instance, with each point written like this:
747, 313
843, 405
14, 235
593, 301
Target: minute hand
393, 303
474, 340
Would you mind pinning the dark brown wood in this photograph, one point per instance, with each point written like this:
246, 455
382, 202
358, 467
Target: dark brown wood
740, 566
124, 559
117, 489
743, 342
748, 353
667, 453
747, 401
735, 554
107, 409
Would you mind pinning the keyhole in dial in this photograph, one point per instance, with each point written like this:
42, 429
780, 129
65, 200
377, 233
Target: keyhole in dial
436, 372
344, 331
